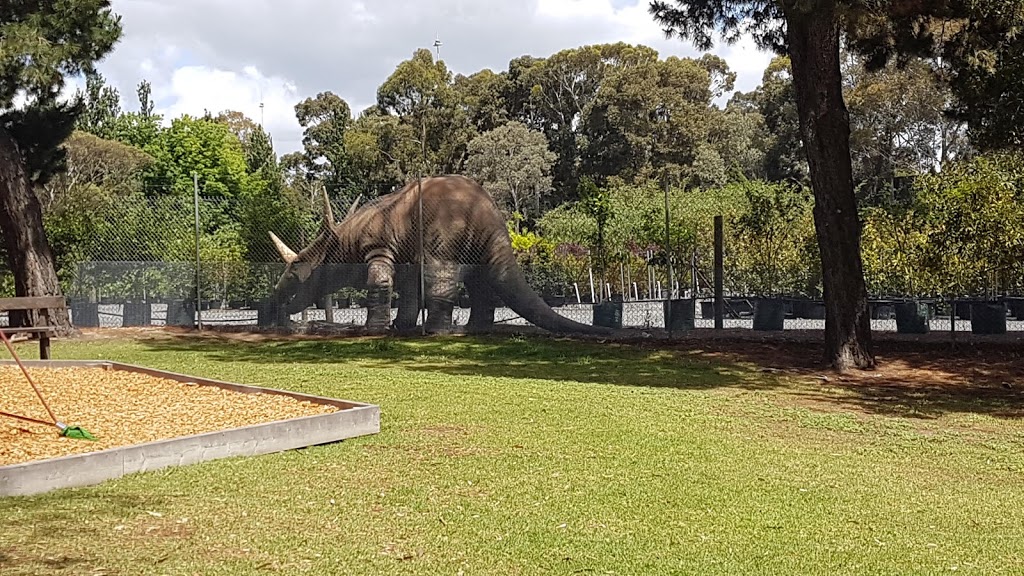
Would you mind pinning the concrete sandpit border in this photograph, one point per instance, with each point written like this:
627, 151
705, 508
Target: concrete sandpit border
351, 420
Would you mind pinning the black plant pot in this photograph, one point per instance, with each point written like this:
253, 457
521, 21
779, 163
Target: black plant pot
988, 317
85, 314
270, 314
554, 301
912, 317
737, 308
181, 313
136, 314
608, 314
964, 310
882, 310
265, 313
1016, 306
770, 314
808, 309
679, 314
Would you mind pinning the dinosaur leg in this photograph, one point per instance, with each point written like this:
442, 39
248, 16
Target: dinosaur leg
483, 301
408, 296
379, 284
442, 286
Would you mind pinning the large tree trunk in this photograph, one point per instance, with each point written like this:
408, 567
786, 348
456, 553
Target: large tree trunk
21, 219
825, 125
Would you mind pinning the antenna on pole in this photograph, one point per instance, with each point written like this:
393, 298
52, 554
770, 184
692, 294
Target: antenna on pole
437, 46
261, 106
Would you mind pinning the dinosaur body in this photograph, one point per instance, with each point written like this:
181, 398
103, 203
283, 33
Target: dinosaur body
378, 245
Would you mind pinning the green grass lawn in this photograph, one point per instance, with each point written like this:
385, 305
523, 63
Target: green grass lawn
505, 455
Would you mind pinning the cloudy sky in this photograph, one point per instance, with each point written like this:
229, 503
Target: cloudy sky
233, 54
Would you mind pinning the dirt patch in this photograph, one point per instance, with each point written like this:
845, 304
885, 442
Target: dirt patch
123, 408
429, 452
445, 430
924, 379
155, 526
44, 562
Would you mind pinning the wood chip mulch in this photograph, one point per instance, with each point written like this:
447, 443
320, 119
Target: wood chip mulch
123, 408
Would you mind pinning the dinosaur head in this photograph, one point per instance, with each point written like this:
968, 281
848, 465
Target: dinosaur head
306, 277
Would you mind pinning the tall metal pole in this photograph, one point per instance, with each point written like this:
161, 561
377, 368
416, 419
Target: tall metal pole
719, 273
622, 282
668, 239
693, 272
419, 199
195, 198
668, 259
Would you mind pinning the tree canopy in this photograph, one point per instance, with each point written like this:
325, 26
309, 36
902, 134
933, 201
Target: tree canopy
43, 43
514, 163
887, 112
812, 35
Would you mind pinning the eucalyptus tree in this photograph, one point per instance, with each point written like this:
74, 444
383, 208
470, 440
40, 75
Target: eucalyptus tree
811, 34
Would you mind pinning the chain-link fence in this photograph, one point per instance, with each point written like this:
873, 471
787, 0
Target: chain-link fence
134, 263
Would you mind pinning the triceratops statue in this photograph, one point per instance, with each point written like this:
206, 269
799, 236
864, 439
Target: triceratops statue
378, 246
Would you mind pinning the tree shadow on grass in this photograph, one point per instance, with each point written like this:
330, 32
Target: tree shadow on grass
520, 357
43, 565
913, 379
55, 510
61, 511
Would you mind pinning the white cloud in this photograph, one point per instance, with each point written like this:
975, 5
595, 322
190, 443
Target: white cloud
746, 60
71, 86
195, 89
631, 24
227, 54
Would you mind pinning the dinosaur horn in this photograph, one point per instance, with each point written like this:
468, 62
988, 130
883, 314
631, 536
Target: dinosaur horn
328, 212
352, 208
287, 254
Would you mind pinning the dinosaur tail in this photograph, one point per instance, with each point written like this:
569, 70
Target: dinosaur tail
507, 279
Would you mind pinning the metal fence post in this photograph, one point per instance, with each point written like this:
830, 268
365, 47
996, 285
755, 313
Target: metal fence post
667, 308
952, 322
419, 200
199, 298
719, 273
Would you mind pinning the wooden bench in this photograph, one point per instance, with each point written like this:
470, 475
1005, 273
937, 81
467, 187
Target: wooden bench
42, 304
